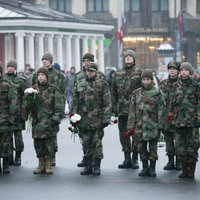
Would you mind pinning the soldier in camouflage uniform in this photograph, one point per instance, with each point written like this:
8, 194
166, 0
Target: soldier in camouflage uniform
185, 110
46, 111
124, 82
8, 103
144, 118
56, 78
88, 58
92, 101
168, 131
19, 125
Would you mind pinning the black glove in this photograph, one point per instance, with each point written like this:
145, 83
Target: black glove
102, 126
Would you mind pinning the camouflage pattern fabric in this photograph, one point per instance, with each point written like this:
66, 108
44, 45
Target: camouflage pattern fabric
9, 108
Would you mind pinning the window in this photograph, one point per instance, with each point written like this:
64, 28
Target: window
183, 4
131, 5
97, 5
155, 5
198, 6
164, 5
61, 5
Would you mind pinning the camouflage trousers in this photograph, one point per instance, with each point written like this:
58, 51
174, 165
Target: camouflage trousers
148, 149
187, 144
17, 140
128, 144
5, 144
44, 147
55, 133
169, 138
92, 143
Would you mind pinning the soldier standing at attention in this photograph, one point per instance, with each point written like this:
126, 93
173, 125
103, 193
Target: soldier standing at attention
88, 58
56, 78
8, 102
19, 124
185, 112
144, 119
92, 101
125, 81
168, 131
46, 111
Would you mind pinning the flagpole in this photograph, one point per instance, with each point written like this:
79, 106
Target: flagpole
119, 23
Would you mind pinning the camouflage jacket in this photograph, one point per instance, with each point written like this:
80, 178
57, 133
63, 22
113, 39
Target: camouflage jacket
91, 100
166, 89
124, 82
8, 104
45, 110
20, 84
185, 103
145, 112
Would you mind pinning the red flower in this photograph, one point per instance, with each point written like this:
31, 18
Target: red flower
70, 115
169, 117
115, 121
129, 133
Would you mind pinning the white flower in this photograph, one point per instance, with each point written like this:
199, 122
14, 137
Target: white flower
30, 91
113, 120
75, 118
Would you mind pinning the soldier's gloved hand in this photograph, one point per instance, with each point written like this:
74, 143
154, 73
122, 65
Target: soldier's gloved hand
102, 126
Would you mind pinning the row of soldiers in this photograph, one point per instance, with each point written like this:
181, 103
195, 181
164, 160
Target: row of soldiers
45, 110
143, 112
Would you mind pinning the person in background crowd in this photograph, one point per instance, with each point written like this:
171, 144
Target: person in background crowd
70, 77
124, 82
92, 101
45, 110
144, 120
8, 102
28, 73
166, 86
19, 123
185, 116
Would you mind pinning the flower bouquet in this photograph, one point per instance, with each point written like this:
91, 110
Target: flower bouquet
74, 121
30, 96
129, 133
113, 120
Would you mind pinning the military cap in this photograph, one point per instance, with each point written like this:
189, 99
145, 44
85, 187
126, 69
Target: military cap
174, 64
48, 56
92, 67
147, 73
13, 63
130, 53
88, 56
187, 66
44, 71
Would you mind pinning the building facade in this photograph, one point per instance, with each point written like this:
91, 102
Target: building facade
149, 24
28, 30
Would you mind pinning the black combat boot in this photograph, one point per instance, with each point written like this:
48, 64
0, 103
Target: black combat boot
5, 166
88, 167
170, 164
178, 164
17, 158
184, 173
152, 168
135, 164
96, 168
83, 162
127, 162
0, 166
191, 169
145, 170
54, 160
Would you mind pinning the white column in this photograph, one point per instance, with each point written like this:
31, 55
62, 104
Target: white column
101, 55
31, 52
20, 50
93, 46
40, 45
50, 43
85, 45
77, 53
69, 51
60, 50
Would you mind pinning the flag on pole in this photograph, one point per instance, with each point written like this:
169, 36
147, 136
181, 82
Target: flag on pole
180, 23
120, 34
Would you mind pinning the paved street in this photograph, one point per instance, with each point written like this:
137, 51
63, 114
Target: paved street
67, 183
